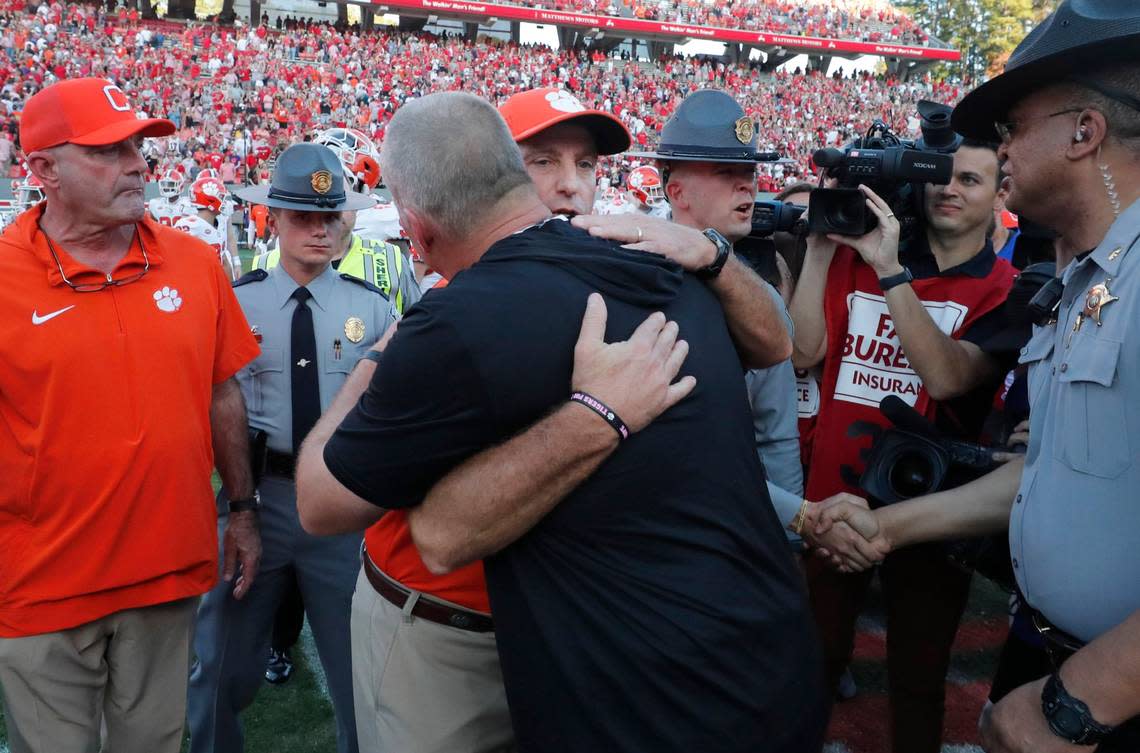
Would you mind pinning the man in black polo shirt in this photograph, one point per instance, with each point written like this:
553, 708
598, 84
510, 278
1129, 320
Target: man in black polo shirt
644, 599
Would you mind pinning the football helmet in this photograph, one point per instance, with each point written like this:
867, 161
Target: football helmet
645, 184
357, 154
170, 183
208, 193
27, 192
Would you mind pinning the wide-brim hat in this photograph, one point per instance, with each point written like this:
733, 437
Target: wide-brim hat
308, 178
1079, 36
709, 126
531, 112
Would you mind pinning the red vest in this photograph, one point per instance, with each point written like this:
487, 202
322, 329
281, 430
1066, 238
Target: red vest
865, 361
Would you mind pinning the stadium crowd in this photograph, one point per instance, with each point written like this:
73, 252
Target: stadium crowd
507, 526
239, 95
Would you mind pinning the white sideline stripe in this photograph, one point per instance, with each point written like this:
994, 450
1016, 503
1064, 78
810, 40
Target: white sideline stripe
312, 658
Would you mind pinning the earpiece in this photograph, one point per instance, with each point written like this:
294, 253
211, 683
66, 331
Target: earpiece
1080, 135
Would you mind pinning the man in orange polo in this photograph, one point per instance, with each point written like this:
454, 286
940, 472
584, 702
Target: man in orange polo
120, 340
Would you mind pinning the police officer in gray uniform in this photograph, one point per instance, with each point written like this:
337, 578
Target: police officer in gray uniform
1067, 111
313, 325
711, 128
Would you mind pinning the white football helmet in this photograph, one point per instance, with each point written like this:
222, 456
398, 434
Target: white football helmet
357, 154
27, 193
170, 184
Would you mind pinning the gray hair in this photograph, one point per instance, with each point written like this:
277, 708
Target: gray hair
451, 157
1123, 120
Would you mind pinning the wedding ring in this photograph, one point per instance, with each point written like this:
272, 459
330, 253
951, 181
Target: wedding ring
640, 234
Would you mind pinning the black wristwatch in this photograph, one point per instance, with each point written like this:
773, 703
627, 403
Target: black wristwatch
903, 277
244, 505
1068, 717
723, 249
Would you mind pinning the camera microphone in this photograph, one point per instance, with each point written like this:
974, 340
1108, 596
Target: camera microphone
907, 418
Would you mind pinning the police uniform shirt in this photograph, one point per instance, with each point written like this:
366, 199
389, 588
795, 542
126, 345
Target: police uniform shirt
1073, 526
377, 262
348, 317
772, 396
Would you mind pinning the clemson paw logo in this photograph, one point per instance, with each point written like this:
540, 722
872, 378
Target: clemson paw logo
564, 101
167, 300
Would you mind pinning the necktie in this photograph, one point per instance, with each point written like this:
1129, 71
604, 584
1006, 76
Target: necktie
306, 392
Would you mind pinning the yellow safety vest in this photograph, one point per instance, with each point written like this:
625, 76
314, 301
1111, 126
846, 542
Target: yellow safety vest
367, 260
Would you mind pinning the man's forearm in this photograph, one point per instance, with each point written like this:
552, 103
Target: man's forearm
948, 368
346, 399
229, 431
497, 496
1106, 673
755, 322
978, 508
324, 505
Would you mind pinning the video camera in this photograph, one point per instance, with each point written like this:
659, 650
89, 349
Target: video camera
890, 167
769, 217
912, 459
758, 249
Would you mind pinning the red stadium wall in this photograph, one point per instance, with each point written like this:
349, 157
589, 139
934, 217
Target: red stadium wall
637, 27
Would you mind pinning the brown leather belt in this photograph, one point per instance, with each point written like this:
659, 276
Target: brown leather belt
426, 607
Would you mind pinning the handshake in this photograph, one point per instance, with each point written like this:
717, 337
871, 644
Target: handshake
844, 531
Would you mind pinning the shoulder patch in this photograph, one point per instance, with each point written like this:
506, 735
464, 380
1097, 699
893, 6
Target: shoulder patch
350, 278
254, 275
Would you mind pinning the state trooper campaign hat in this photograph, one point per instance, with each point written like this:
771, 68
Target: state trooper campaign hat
308, 178
709, 126
1080, 36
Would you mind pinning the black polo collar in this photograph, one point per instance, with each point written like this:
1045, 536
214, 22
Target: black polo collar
918, 258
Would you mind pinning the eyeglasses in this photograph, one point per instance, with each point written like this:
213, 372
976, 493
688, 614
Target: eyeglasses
1006, 130
110, 281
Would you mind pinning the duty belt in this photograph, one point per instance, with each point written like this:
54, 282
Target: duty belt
280, 464
1058, 644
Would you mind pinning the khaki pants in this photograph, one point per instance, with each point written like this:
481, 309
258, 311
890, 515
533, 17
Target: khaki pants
126, 671
421, 687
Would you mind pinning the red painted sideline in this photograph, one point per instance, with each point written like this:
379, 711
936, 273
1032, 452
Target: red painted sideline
972, 636
863, 723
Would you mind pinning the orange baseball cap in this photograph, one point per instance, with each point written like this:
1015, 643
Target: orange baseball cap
531, 112
86, 111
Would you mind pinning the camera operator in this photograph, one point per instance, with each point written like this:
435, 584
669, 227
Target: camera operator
1068, 115
884, 321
